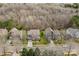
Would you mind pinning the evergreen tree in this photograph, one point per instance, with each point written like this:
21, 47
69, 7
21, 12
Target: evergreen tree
24, 52
75, 21
30, 52
37, 52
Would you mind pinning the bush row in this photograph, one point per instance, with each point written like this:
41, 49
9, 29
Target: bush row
30, 52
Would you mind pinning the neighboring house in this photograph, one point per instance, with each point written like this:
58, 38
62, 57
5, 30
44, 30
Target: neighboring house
52, 34
48, 33
33, 34
15, 35
3, 35
72, 33
56, 34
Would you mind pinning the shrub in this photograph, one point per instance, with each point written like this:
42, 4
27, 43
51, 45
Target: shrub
43, 41
7, 24
42, 38
30, 52
41, 34
24, 52
37, 52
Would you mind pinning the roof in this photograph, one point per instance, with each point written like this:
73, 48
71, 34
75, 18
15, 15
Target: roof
33, 32
13, 29
49, 29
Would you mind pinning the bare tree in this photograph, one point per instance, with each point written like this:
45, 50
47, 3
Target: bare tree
69, 50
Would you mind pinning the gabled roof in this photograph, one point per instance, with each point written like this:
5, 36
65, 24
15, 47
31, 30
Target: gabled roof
13, 29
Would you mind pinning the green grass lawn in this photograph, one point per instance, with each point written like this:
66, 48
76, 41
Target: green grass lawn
24, 42
40, 42
43, 41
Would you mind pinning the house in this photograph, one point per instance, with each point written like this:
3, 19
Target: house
72, 33
56, 34
3, 35
15, 35
33, 34
48, 33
